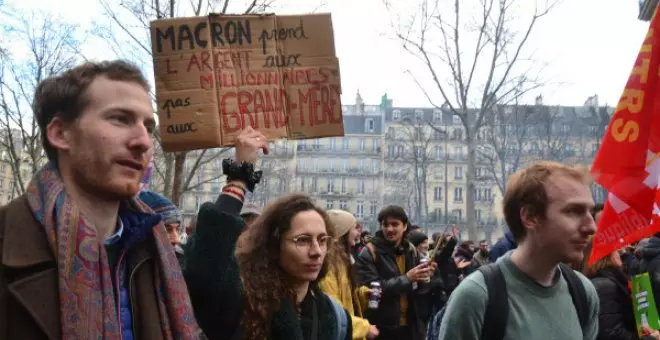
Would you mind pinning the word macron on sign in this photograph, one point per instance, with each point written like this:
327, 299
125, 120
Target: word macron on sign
217, 75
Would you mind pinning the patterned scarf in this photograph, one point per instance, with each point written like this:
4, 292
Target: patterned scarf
87, 300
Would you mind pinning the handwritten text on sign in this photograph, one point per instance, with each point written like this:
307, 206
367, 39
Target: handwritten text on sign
216, 75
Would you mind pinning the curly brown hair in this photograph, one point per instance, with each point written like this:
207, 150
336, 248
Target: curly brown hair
265, 284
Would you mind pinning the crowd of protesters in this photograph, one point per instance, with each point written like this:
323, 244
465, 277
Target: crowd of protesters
86, 254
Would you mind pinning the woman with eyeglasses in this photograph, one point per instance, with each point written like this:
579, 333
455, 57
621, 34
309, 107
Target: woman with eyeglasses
261, 282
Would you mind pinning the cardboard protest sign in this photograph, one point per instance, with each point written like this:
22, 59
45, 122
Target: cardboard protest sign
646, 312
216, 75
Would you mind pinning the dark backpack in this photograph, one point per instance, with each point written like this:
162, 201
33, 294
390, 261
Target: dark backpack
497, 309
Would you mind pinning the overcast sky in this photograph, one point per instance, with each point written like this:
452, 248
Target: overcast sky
587, 47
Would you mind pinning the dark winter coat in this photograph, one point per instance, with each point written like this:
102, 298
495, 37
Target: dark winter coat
216, 292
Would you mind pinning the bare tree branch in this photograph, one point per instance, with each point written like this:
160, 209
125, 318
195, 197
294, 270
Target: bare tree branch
52, 47
484, 65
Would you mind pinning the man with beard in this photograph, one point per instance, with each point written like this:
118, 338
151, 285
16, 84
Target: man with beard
82, 257
481, 256
392, 261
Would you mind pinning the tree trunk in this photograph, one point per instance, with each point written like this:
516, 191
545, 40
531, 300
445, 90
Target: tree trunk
469, 197
179, 162
169, 173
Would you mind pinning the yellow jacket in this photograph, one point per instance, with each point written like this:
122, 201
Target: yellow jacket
339, 288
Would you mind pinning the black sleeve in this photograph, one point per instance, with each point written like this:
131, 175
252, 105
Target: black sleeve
612, 314
367, 273
228, 205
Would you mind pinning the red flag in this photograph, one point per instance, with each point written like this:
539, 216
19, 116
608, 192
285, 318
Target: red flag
628, 161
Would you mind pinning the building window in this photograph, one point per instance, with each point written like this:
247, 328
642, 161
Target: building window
399, 150
316, 144
477, 215
344, 143
375, 165
390, 151
373, 208
438, 152
331, 165
330, 204
360, 187
315, 183
419, 115
361, 165
458, 214
331, 186
343, 204
359, 209
343, 185
458, 194
376, 145
396, 115
458, 151
437, 115
333, 144
344, 165
362, 144
369, 125
437, 193
315, 165
458, 172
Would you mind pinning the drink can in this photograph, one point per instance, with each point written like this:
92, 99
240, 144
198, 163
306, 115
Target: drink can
425, 261
374, 297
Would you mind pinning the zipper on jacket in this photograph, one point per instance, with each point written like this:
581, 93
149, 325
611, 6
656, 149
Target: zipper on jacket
118, 284
130, 293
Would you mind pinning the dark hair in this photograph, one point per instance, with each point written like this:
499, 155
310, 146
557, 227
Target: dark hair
64, 96
483, 241
265, 283
597, 208
393, 211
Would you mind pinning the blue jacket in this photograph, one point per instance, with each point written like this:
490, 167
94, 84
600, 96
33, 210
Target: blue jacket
502, 247
136, 226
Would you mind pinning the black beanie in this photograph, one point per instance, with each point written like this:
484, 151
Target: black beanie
417, 237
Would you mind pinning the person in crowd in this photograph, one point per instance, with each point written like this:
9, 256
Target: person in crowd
464, 259
633, 266
250, 212
365, 236
481, 256
547, 207
415, 227
340, 281
170, 216
261, 282
82, 257
616, 318
420, 241
502, 246
650, 262
391, 260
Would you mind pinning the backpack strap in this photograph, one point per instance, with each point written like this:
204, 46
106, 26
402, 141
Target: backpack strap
497, 309
342, 319
578, 293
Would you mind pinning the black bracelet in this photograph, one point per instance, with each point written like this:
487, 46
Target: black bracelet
242, 171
